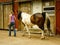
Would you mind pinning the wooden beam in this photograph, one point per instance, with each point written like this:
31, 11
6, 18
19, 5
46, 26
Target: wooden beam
15, 9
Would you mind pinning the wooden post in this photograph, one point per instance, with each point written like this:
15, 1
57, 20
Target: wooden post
57, 16
15, 9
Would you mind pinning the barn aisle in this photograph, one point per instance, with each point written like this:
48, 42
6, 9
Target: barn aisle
19, 40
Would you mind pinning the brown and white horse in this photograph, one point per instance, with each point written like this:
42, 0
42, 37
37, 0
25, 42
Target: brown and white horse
35, 19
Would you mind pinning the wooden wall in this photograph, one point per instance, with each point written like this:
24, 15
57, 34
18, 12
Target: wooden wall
5, 0
6, 9
25, 7
1, 16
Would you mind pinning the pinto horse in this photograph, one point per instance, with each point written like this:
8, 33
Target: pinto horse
35, 19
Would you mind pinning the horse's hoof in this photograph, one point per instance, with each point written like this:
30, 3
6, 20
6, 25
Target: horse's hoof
29, 37
52, 35
42, 38
23, 35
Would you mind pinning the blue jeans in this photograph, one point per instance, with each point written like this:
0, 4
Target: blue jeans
12, 24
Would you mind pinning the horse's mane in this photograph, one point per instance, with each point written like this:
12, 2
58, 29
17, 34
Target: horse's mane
19, 15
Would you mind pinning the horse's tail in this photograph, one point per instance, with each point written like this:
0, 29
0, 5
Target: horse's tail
48, 24
44, 15
48, 20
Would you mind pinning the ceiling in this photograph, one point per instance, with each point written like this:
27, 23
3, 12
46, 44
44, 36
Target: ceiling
21, 0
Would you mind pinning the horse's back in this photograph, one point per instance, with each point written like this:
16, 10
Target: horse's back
38, 19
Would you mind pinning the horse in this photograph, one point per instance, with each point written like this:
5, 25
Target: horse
34, 19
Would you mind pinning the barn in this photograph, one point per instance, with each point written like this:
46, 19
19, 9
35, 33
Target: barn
51, 7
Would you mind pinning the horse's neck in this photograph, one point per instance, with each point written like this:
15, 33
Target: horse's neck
25, 14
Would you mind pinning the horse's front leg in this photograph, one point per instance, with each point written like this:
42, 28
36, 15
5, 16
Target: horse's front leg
24, 31
27, 30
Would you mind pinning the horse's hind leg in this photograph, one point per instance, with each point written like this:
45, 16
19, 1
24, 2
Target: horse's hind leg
48, 26
43, 36
49, 32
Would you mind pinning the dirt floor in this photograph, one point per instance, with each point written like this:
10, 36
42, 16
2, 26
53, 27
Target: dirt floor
20, 40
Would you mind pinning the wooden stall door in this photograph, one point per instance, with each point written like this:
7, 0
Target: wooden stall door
1, 16
58, 17
7, 11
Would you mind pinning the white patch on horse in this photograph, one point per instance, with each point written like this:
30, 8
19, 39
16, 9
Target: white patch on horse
26, 18
35, 27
